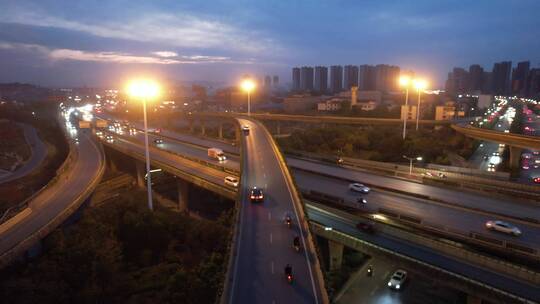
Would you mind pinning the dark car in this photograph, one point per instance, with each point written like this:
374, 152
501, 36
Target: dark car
256, 195
365, 227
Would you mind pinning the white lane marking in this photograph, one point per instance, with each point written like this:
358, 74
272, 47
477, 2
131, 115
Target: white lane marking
272, 266
270, 238
314, 289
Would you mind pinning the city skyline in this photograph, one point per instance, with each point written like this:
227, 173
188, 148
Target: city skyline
82, 44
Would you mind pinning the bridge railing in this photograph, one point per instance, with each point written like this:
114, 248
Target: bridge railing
422, 174
359, 244
43, 231
64, 167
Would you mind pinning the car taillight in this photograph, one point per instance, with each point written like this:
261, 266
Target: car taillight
252, 197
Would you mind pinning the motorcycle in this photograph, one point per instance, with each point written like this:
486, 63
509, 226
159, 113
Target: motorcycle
288, 221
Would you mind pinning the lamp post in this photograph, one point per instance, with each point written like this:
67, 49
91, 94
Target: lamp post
419, 85
411, 159
248, 85
405, 81
145, 90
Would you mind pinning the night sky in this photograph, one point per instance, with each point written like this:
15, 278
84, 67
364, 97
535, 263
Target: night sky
89, 42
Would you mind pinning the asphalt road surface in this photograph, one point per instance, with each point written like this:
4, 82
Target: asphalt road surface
56, 198
265, 241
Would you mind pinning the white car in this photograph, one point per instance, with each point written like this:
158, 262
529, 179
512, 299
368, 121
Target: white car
231, 181
503, 227
357, 187
397, 279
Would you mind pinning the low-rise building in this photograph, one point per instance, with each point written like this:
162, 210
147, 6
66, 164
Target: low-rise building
445, 112
301, 103
408, 111
330, 105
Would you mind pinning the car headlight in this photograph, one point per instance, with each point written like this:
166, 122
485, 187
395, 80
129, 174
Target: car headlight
397, 286
390, 284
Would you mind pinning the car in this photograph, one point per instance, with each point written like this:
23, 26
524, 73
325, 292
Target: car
158, 141
245, 128
496, 154
231, 181
110, 138
339, 160
485, 157
491, 167
99, 134
256, 195
357, 187
536, 180
76, 140
397, 280
365, 227
157, 130
504, 227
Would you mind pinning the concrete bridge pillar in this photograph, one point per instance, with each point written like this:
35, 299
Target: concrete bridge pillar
111, 165
183, 193
515, 156
203, 127
473, 299
237, 134
220, 131
141, 172
191, 127
335, 251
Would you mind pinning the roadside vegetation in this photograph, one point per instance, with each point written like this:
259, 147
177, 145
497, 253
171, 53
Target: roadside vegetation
13, 147
380, 143
122, 253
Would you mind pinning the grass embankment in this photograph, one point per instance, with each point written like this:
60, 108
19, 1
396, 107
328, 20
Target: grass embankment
45, 122
380, 143
121, 253
14, 149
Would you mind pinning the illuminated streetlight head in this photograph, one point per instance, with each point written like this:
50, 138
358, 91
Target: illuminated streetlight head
143, 89
404, 80
247, 85
420, 84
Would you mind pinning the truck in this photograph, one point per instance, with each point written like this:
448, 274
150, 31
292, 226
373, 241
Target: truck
216, 153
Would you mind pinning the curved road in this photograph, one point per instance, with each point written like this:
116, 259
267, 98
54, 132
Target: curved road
39, 152
55, 198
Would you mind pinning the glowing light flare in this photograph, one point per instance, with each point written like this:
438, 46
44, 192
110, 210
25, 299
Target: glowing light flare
143, 89
404, 80
420, 84
247, 85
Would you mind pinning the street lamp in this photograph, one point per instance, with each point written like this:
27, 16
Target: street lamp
145, 90
405, 81
247, 86
419, 85
411, 159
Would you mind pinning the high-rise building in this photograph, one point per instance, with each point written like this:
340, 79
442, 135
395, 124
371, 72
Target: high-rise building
519, 78
366, 78
321, 79
487, 82
458, 81
306, 78
386, 77
267, 81
296, 79
275, 81
533, 84
336, 78
501, 77
476, 74
350, 77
